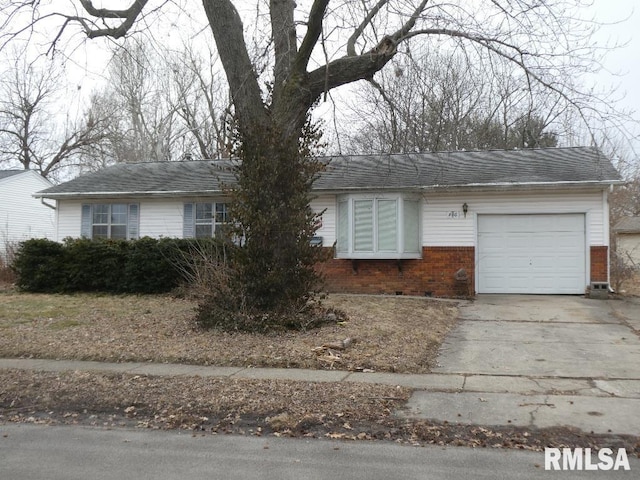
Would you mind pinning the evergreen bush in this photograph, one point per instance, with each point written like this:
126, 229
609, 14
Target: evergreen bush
139, 266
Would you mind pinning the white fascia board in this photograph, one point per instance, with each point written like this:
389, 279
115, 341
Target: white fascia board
468, 186
102, 195
525, 185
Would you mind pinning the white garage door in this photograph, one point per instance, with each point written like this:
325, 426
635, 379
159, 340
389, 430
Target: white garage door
531, 254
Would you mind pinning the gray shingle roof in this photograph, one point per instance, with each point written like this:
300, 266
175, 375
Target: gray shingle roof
627, 225
576, 165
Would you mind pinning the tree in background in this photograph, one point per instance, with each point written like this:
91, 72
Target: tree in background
201, 100
32, 133
439, 103
162, 105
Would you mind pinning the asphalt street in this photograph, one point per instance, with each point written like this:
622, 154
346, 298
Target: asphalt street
34, 452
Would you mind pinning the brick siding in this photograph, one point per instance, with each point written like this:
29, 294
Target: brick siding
434, 274
599, 257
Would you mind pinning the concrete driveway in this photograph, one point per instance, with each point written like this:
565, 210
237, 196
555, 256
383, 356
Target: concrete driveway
546, 336
539, 361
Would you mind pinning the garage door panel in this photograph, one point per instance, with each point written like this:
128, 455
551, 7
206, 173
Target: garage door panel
531, 253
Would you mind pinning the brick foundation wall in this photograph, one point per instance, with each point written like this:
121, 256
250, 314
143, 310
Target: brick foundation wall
599, 257
431, 275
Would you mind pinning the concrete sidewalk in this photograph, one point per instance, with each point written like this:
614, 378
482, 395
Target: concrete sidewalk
593, 405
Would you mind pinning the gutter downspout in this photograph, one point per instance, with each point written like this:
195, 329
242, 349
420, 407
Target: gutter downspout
52, 207
605, 210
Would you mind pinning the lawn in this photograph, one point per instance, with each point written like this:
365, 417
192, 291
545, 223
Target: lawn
393, 334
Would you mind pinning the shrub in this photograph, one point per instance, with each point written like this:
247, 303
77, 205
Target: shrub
39, 266
143, 266
95, 265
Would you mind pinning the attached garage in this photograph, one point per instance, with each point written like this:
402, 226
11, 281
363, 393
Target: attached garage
539, 254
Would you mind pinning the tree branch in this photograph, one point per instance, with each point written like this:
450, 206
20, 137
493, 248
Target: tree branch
314, 29
283, 33
227, 29
351, 43
129, 16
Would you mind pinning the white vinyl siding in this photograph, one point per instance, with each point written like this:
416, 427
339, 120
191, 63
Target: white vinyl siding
21, 215
164, 217
628, 245
156, 217
441, 228
326, 204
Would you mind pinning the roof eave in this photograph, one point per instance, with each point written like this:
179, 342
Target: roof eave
500, 186
601, 184
133, 194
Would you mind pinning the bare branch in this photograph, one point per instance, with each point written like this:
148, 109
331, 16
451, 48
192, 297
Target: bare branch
129, 16
351, 43
314, 28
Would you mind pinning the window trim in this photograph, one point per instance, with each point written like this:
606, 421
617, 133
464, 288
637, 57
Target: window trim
375, 254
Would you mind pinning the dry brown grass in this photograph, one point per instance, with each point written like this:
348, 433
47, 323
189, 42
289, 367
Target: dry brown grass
399, 334
350, 411
631, 286
191, 402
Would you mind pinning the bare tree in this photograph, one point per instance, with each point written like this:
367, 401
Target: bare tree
311, 49
162, 105
201, 101
142, 123
29, 135
442, 103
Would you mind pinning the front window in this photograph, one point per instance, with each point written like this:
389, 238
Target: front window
378, 226
110, 221
211, 219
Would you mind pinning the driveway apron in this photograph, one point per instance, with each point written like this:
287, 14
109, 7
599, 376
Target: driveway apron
539, 361
547, 336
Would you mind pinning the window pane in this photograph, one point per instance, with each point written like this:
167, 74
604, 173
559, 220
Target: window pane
203, 212
363, 226
118, 215
387, 226
100, 231
101, 214
343, 227
411, 228
204, 231
119, 232
221, 213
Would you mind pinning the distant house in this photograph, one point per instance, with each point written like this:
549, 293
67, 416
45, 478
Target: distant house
627, 232
21, 215
499, 221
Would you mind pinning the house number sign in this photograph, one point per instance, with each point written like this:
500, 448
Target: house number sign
454, 214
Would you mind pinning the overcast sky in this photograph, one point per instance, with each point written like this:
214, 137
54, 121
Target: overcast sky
624, 61
620, 21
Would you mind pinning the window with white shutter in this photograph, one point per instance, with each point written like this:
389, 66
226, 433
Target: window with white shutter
378, 226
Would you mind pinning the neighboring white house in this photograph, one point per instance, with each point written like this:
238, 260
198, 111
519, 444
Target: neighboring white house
21, 215
498, 221
627, 232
